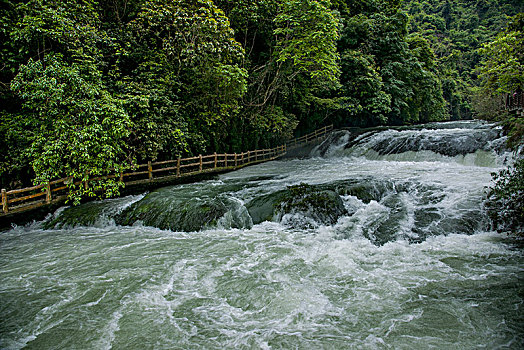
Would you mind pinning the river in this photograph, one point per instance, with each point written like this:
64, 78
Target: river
378, 241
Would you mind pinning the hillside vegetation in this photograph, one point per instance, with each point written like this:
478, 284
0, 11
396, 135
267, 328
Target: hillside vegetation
90, 88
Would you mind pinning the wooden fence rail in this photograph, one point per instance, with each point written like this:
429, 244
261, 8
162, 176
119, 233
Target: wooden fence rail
314, 136
21, 200
513, 102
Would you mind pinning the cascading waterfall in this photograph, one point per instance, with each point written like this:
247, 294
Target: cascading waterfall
377, 241
464, 142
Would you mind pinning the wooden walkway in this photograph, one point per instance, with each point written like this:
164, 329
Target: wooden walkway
309, 138
56, 191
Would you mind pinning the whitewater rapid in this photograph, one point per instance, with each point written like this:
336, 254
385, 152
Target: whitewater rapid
409, 262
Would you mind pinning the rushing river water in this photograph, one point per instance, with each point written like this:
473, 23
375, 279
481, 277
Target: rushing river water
378, 241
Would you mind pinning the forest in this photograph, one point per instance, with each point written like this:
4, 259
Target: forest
90, 88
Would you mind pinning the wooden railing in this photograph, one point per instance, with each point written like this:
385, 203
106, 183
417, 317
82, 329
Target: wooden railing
56, 191
513, 102
317, 135
21, 200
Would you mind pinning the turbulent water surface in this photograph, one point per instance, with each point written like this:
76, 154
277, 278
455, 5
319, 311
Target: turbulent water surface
378, 241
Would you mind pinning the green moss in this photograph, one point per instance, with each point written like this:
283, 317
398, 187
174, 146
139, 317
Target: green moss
324, 206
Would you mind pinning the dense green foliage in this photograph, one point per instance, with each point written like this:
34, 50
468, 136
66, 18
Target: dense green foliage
456, 30
98, 86
502, 75
503, 64
91, 88
505, 203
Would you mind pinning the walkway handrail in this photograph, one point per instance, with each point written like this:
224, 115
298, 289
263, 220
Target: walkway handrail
514, 102
56, 191
312, 137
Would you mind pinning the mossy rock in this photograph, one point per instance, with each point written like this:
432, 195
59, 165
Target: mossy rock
86, 214
366, 189
263, 208
322, 205
193, 215
82, 215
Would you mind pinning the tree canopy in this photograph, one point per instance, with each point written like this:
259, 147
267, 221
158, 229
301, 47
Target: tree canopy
456, 30
502, 66
91, 88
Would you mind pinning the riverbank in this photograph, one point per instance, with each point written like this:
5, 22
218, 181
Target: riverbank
147, 177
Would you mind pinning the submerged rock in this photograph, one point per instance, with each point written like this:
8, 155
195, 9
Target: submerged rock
95, 213
323, 206
262, 208
365, 189
298, 206
86, 214
167, 211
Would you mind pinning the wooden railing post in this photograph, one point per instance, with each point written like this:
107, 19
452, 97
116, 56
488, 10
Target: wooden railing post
248, 156
48, 193
4, 201
121, 177
216, 160
178, 167
200, 163
150, 170
225, 160
242, 158
236, 160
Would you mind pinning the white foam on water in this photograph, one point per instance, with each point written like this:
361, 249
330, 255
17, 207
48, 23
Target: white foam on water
108, 335
275, 284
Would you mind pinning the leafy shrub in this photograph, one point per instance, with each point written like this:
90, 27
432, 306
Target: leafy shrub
505, 204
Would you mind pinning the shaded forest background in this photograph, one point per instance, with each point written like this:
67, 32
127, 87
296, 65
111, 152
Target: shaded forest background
90, 88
